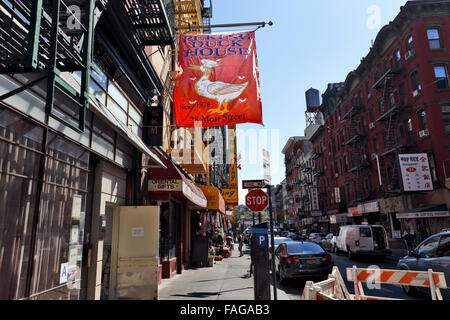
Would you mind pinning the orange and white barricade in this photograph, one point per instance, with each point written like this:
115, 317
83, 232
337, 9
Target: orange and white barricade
331, 289
334, 287
429, 279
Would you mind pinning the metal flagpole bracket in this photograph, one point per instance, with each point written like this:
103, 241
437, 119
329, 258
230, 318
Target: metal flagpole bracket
228, 25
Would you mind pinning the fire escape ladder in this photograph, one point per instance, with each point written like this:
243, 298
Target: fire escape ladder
387, 91
50, 38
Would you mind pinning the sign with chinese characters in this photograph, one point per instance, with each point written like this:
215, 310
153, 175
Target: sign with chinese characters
369, 207
298, 200
354, 212
314, 194
154, 126
337, 195
416, 173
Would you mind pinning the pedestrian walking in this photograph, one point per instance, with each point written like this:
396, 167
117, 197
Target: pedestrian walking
409, 238
241, 244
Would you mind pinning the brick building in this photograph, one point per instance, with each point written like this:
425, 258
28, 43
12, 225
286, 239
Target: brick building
396, 102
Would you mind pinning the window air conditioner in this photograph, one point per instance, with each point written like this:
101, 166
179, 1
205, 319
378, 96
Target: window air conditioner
424, 133
371, 125
415, 93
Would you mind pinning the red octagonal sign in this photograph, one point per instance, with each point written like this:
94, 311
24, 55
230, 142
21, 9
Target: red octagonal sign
256, 200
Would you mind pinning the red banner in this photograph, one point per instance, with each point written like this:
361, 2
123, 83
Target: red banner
218, 80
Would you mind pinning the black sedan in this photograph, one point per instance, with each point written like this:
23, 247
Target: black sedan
302, 260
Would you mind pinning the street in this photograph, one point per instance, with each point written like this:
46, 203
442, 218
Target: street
229, 280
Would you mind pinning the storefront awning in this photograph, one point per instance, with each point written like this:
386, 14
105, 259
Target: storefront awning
215, 199
435, 211
162, 183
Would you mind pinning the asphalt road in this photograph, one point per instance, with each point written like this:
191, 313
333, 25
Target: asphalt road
294, 288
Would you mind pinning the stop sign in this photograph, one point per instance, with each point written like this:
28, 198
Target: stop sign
256, 200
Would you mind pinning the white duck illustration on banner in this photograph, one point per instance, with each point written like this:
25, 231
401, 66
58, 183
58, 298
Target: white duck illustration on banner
220, 91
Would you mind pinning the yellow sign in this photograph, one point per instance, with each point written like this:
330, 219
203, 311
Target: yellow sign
230, 196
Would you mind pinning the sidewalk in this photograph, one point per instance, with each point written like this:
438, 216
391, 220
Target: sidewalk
226, 280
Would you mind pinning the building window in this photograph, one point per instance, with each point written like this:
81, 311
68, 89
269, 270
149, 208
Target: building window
446, 118
441, 74
422, 115
434, 38
410, 44
416, 82
398, 59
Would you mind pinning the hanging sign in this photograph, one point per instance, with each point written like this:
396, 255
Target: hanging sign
416, 172
218, 80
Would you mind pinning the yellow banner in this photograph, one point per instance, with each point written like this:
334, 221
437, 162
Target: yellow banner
230, 195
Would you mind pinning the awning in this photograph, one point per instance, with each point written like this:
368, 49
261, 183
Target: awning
162, 183
215, 199
434, 211
106, 115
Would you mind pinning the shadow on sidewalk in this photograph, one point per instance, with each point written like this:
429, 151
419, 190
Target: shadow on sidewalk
207, 294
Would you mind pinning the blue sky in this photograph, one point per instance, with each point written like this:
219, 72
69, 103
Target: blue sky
311, 44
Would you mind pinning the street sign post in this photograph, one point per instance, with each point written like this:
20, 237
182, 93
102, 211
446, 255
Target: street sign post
253, 184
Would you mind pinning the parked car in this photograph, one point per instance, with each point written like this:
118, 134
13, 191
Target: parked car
329, 242
432, 253
305, 234
363, 239
277, 241
316, 238
297, 259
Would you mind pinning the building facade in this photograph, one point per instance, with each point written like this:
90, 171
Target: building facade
393, 106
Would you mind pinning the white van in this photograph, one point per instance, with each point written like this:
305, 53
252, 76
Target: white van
363, 240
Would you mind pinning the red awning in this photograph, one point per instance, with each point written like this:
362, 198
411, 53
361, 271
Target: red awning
163, 182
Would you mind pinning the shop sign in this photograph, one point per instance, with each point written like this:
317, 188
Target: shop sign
337, 195
324, 219
297, 200
154, 126
421, 215
338, 218
230, 196
353, 212
218, 80
165, 185
369, 207
317, 213
416, 172
314, 195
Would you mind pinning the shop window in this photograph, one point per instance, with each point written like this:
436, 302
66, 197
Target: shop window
60, 229
434, 39
19, 163
446, 118
442, 79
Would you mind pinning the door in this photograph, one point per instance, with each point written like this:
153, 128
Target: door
366, 239
134, 253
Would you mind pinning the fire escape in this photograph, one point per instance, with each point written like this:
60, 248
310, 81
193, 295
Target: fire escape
192, 14
358, 161
46, 38
392, 104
